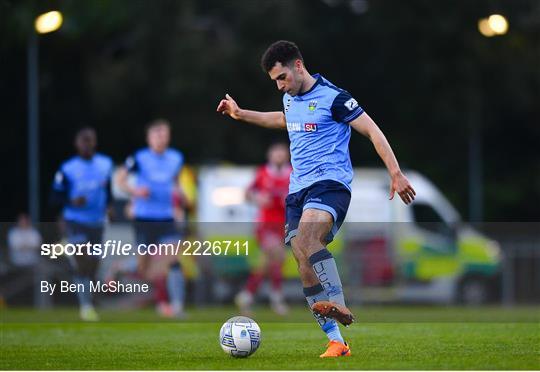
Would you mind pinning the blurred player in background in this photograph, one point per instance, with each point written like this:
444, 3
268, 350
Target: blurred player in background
154, 195
268, 192
24, 242
318, 117
83, 186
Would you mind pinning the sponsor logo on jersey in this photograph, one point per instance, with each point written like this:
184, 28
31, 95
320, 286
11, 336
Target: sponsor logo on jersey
351, 104
312, 105
294, 127
298, 127
310, 127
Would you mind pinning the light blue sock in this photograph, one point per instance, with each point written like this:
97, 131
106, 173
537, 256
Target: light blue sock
325, 268
175, 285
332, 331
84, 297
328, 325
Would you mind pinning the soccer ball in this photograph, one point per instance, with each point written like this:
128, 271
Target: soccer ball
240, 336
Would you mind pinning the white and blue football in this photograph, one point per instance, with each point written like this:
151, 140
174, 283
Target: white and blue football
240, 336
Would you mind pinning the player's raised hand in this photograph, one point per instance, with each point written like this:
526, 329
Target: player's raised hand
402, 186
228, 106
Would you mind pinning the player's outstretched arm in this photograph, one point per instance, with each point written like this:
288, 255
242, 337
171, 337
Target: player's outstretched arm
123, 184
273, 120
400, 184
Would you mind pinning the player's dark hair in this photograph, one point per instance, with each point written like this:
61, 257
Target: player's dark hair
84, 129
282, 51
157, 123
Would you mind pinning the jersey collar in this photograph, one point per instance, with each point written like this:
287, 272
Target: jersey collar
87, 160
155, 153
318, 80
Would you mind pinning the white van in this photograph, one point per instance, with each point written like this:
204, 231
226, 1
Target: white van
388, 251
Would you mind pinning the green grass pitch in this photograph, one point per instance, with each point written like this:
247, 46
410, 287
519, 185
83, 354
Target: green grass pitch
383, 338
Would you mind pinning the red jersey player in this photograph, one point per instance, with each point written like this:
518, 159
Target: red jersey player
268, 191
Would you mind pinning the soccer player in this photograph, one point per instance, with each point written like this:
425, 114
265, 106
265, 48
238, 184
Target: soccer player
268, 191
318, 117
156, 169
82, 186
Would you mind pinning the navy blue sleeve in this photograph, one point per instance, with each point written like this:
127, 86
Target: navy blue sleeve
345, 108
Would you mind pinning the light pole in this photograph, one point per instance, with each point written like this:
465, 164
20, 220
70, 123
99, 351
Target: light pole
494, 25
45, 23
497, 25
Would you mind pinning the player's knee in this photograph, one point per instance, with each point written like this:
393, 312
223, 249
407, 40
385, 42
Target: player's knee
297, 259
307, 243
299, 242
298, 250
301, 258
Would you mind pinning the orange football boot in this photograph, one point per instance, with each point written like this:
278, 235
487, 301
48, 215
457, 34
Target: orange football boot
336, 349
333, 310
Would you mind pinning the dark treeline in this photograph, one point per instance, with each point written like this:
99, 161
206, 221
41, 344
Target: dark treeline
420, 68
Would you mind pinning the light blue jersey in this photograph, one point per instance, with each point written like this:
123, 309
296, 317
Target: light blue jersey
317, 122
158, 173
88, 178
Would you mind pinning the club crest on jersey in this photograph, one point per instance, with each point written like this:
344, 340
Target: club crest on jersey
312, 105
310, 127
